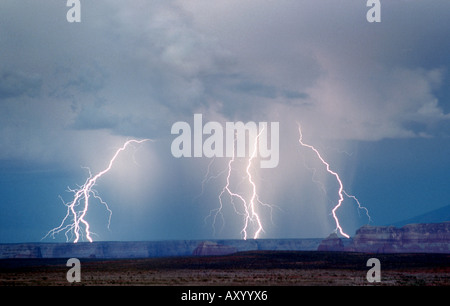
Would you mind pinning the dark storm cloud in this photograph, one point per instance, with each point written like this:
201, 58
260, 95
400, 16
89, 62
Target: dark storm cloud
15, 84
126, 68
132, 69
367, 81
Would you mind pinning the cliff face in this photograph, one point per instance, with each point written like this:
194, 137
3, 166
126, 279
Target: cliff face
209, 248
20, 251
411, 238
126, 249
331, 243
143, 249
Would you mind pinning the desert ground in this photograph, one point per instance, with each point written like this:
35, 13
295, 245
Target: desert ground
254, 268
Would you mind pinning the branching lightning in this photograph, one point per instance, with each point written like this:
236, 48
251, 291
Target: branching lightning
81, 198
341, 191
247, 207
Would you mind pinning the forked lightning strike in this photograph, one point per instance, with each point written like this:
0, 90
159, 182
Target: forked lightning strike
341, 191
249, 205
81, 198
251, 213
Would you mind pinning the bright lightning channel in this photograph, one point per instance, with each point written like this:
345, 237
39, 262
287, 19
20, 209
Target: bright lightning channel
81, 198
249, 204
341, 191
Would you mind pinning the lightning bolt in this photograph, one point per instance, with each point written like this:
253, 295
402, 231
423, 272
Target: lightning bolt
81, 198
244, 206
341, 191
251, 214
208, 177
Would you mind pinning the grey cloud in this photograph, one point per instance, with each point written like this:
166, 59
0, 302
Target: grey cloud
152, 63
356, 80
89, 79
95, 116
269, 91
16, 83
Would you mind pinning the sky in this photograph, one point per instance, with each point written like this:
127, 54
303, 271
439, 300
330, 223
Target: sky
373, 98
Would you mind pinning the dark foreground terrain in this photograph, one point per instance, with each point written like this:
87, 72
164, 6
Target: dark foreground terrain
253, 268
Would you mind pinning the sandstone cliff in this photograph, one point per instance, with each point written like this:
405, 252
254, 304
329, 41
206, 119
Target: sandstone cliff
411, 238
143, 249
331, 243
209, 248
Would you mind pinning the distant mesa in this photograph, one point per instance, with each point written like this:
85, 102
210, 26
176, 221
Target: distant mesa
411, 238
209, 248
150, 249
20, 251
331, 243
